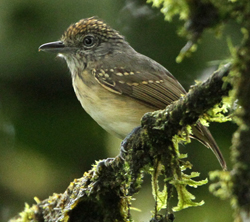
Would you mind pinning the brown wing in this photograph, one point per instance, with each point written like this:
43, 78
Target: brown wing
156, 90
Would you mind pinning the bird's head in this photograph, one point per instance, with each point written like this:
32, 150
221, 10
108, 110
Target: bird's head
88, 39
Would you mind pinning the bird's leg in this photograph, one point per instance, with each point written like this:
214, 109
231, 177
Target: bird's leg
124, 143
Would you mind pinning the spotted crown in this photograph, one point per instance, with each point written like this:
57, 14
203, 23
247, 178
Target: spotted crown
91, 25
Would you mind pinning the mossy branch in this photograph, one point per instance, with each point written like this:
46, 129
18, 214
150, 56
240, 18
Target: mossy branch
104, 193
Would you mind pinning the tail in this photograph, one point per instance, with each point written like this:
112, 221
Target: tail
203, 135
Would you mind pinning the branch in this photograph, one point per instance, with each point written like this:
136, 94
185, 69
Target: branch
104, 193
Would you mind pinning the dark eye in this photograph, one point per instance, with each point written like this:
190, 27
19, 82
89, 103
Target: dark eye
89, 41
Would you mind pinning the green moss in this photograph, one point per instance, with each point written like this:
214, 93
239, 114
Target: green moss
175, 178
170, 8
222, 188
27, 215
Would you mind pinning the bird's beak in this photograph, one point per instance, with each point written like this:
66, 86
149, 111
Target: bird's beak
56, 47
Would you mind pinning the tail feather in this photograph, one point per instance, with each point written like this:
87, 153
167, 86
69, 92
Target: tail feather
203, 135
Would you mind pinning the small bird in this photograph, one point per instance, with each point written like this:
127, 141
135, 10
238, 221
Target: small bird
115, 84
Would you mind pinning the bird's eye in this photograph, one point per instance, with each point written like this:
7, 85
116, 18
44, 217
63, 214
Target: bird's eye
89, 41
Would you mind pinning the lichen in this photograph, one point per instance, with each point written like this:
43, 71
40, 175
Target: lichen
222, 188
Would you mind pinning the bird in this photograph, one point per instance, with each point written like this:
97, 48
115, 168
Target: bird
115, 84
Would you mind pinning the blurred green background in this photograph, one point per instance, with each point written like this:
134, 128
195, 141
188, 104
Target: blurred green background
47, 139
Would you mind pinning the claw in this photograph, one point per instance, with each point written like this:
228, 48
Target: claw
124, 143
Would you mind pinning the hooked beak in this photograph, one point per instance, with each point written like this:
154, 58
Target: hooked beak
55, 47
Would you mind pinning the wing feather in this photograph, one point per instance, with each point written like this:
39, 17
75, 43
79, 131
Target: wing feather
153, 89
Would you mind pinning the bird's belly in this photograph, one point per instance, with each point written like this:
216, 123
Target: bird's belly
117, 114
